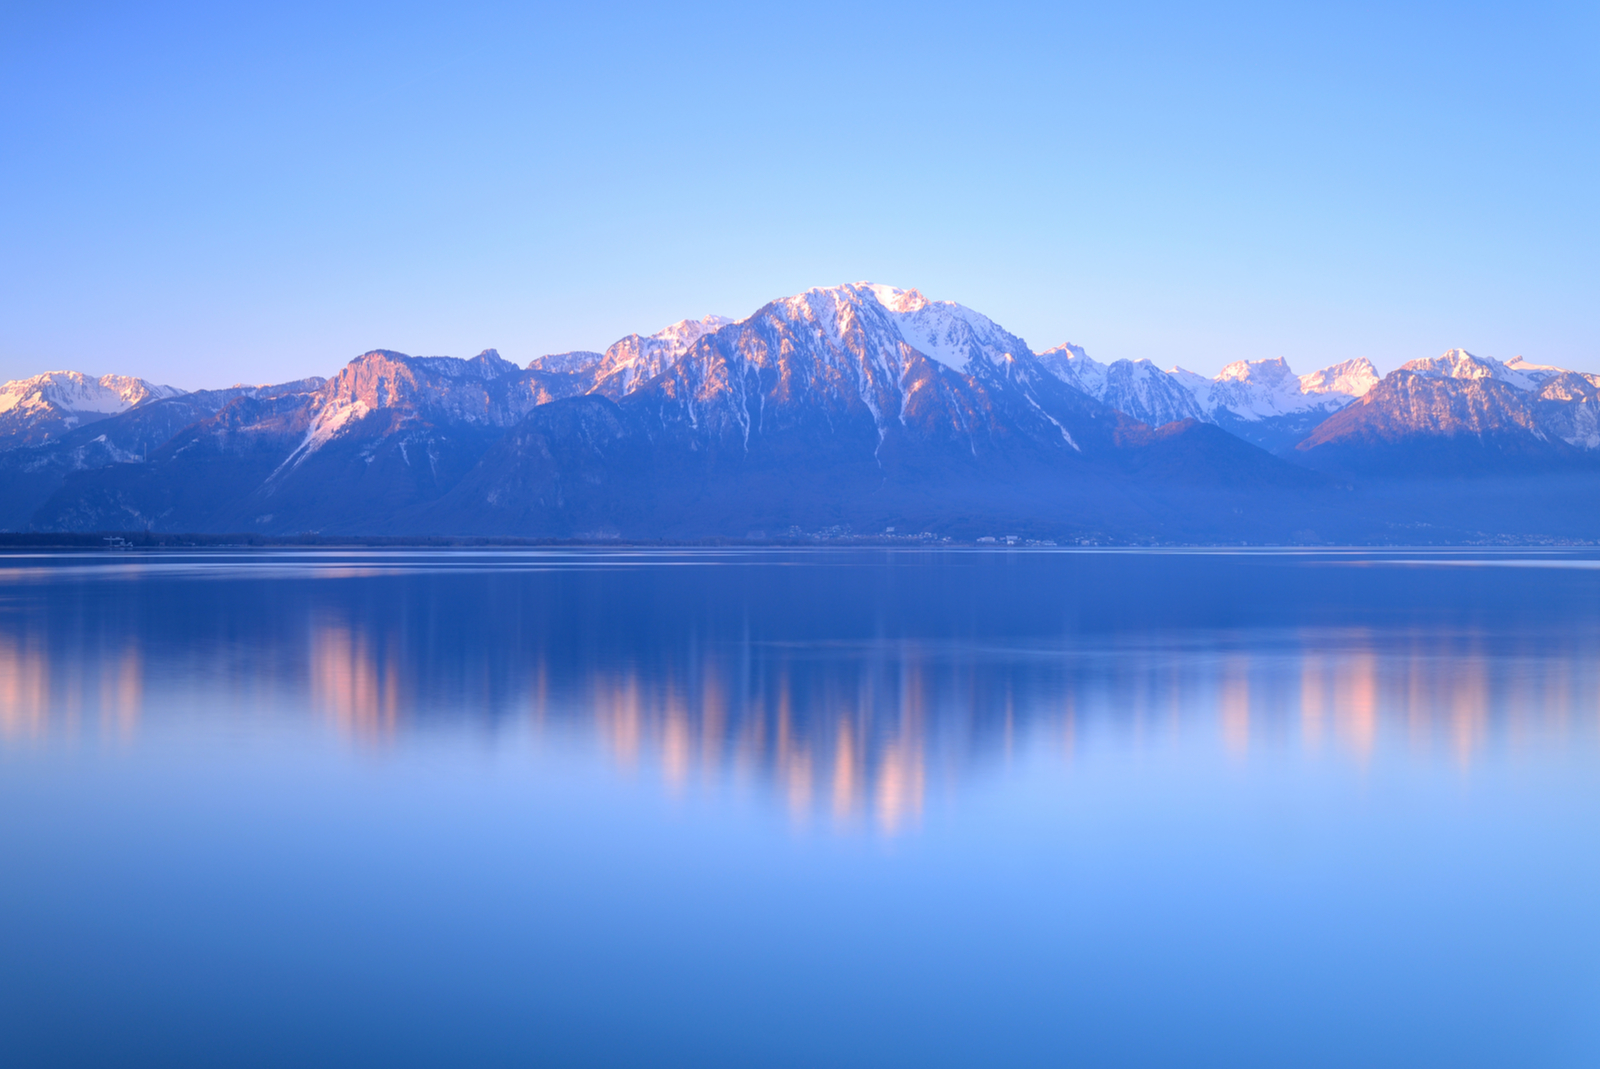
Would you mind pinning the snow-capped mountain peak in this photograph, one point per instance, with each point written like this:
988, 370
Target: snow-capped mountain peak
1273, 372
1136, 387
574, 362
950, 333
1073, 365
45, 406
685, 332
1350, 378
414, 391
1460, 364
1539, 373
1261, 400
636, 359
73, 391
1261, 389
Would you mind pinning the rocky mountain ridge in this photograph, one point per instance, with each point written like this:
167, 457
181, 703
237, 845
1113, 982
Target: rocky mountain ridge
1262, 401
44, 407
854, 405
1460, 414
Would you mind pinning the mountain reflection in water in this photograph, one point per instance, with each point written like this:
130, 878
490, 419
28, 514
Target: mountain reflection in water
848, 685
795, 808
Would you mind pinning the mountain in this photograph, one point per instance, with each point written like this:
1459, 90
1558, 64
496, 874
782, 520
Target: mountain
31, 475
1460, 414
1460, 364
1264, 402
632, 361
1261, 401
1136, 387
47, 406
578, 362
850, 408
857, 405
388, 432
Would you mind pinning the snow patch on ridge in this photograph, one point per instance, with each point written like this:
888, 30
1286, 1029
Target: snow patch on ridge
327, 424
73, 391
950, 333
1460, 364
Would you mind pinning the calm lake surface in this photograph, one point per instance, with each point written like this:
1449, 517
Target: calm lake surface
800, 808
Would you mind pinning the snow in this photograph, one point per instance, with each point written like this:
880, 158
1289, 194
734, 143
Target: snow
1246, 389
1254, 390
1352, 379
327, 424
634, 360
1537, 372
950, 333
1460, 364
1196, 384
1072, 365
576, 361
73, 391
1137, 388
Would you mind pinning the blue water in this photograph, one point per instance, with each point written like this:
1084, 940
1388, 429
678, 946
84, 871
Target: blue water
782, 808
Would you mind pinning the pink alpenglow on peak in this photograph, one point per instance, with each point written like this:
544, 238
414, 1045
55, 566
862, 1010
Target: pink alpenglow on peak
950, 334
636, 359
73, 391
1137, 388
1263, 401
46, 406
1460, 364
1352, 379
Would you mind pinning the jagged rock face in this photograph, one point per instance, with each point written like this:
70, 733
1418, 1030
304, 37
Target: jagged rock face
577, 362
1346, 380
1266, 403
36, 410
636, 359
630, 362
1261, 401
189, 483
1264, 389
1410, 403
1460, 416
1567, 406
1460, 364
486, 389
397, 391
851, 405
836, 404
870, 370
1136, 387
29, 476
390, 431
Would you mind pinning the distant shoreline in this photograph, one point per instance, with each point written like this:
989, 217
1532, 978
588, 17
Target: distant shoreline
125, 540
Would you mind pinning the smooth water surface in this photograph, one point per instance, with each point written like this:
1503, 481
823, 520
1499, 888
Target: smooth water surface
800, 808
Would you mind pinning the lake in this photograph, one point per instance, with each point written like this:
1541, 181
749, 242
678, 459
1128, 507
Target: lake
832, 807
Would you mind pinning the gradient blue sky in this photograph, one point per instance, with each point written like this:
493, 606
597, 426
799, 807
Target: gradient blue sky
203, 194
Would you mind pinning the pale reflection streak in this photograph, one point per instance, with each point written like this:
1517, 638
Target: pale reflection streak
1234, 702
823, 746
349, 684
855, 762
122, 694
38, 692
853, 735
24, 690
1343, 690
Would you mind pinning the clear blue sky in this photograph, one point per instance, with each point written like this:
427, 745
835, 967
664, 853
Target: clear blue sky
203, 194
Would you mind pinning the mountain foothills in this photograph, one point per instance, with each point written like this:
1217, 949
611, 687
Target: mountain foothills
858, 408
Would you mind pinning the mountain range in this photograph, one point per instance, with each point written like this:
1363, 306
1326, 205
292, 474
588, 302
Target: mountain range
856, 408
